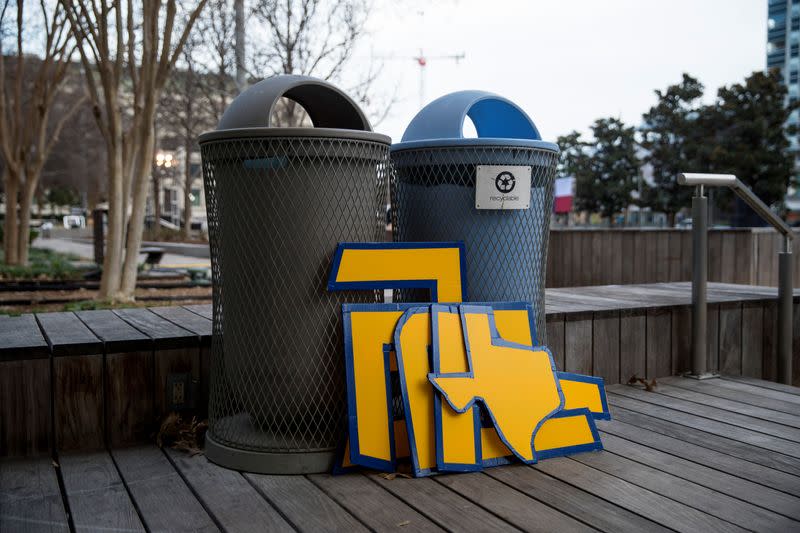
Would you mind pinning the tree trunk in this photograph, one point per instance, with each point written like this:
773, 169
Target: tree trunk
10, 232
144, 159
187, 190
112, 260
26, 202
156, 202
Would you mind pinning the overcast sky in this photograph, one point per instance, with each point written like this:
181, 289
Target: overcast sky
566, 62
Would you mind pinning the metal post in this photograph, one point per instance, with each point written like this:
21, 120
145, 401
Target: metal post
699, 282
785, 313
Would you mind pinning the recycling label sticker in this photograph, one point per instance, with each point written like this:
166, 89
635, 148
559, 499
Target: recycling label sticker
502, 187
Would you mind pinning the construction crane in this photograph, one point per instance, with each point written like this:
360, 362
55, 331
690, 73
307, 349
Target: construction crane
422, 61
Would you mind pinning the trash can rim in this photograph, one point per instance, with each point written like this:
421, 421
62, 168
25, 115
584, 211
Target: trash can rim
324, 133
474, 142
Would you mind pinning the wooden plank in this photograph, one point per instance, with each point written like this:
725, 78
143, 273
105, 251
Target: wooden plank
164, 501
616, 260
204, 310
632, 344
571, 500
30, 499
675, 445
303, 504
555, 338
721, 495
712, 341
130, 416
763, 384
642, 415
715, 256
675, 256
708, 425
442, 505
605, 346
752, 339
67, 335
25, 416
510, 505
165, 334
21, 338
227, 495
659, 347
578, 343
640, 272
730, 338
98, 499
728, 257
745, 257
575, 267
698, 396
681, 340
661, 256
186, 319
665, 511
628, 252
686, 254
766, 252
714, 388
769, 367
78, 396
117, 335
778, 432
595, 248
377, 508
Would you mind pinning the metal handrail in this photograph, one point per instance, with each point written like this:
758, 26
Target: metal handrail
742, 191
700, 271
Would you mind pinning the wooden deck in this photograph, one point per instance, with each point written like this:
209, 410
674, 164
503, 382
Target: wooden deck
95, 379
716, 455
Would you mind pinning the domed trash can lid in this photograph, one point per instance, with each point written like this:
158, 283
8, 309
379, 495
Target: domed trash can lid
498, 122
332, 112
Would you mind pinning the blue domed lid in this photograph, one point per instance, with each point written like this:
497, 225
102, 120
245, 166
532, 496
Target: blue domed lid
498, 121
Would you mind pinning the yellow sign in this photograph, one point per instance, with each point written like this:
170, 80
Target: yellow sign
438, 267
498, 395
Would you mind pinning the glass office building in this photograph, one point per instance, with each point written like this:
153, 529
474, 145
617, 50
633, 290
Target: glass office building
783, 52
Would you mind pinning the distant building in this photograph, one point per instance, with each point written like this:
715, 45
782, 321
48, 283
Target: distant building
783, 52
171, 168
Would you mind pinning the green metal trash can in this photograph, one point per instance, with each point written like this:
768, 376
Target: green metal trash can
279, 200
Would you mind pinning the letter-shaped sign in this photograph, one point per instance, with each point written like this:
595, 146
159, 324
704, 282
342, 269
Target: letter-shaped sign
516, 383
437, 266
459, 347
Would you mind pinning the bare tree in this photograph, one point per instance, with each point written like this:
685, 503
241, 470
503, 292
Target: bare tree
119, 40
314, 38
189, 111
29, 85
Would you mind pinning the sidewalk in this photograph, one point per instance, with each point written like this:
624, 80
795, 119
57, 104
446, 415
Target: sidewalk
86, 251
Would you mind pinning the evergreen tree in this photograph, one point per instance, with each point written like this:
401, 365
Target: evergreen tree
606, 172
748, 137
671, 136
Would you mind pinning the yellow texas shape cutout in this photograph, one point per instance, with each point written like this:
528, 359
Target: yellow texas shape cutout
519, 394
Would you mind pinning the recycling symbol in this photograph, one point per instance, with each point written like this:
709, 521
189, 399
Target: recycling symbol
505, 182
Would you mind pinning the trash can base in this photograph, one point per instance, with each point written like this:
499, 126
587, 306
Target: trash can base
268, 463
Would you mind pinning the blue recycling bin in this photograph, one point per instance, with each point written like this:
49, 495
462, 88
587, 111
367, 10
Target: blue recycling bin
494, 192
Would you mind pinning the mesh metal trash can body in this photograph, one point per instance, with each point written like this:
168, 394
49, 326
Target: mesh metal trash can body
434, 194
279, 200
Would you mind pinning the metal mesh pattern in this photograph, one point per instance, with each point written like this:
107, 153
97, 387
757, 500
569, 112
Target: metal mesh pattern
433, 199
277, 207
